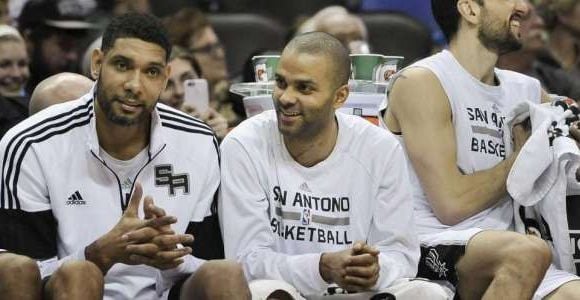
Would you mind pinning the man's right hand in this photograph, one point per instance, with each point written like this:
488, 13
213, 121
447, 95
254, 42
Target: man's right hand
111, 248
162, 251
355, 269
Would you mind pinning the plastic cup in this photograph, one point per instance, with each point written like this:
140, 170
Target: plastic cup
364, 66
265, 67
389, 67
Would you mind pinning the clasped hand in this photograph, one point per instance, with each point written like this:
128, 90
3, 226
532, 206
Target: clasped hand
355, 269
133, 241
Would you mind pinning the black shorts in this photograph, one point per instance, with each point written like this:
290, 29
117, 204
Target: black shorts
175, 290
438, 262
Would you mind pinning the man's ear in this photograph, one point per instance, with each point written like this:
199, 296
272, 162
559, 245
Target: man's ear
167, 71
340, 96
470, 10
96, 63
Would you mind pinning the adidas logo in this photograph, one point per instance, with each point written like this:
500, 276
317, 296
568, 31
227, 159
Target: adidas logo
127, 184
305, 187
76, 199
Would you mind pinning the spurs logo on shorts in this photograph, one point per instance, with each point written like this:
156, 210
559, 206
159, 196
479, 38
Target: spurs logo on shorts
164, 176
435, 264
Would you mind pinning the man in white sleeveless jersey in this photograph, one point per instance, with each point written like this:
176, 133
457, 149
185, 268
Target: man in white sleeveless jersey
449, 111
313, 197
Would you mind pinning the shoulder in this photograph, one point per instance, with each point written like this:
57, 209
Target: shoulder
256, 131
415, 89
365, 136
55, 120
177, 121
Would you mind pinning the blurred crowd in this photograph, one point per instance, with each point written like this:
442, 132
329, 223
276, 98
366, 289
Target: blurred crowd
42, 38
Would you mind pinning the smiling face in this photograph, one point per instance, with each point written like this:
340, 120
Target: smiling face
305, 95
132, 75
13, 67
499, 29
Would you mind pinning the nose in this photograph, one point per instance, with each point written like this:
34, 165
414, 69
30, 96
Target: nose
14, 70
133, 83
285, 97
522, 7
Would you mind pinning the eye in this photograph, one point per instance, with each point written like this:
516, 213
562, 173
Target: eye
280, 83
153, 72
304, 88
121, 66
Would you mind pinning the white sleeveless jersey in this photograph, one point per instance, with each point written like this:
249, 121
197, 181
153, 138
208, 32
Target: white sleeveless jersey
478, 113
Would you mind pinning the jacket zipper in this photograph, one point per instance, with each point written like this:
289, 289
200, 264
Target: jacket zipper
125, 202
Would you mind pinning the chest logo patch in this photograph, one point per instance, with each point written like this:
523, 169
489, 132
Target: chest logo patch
164, 177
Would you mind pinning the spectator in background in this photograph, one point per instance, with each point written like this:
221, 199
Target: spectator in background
55, 34
183, 67
349, 29
190, 29
533, 59
58, 88
13, 77
563, 21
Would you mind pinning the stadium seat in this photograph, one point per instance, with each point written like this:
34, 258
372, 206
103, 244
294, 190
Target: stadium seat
393, 33
243, 34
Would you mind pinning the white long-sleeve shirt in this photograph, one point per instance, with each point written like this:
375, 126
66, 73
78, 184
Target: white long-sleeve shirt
278, 216
58, 194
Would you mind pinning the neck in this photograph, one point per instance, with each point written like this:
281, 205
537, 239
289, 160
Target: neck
121, 142
563, 46
309, 151
473, 56
519, 61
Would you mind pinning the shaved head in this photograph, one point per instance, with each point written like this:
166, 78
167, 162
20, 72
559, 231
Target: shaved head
58, 88
324, 45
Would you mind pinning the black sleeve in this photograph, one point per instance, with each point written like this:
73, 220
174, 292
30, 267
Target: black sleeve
207, 243
28, 233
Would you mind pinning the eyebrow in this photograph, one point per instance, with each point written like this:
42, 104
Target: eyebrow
150, 64
306, 82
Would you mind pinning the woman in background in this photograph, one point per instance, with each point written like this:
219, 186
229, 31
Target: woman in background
183, 67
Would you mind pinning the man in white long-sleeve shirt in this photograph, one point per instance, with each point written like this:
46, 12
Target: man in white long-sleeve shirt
314, 197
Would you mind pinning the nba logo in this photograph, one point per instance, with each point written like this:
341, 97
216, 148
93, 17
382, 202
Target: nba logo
306, 216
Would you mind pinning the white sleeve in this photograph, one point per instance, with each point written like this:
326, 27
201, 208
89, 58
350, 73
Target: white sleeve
245, 223
210, 185
392, 227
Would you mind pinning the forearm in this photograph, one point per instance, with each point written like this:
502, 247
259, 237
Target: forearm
301, 271
464, 195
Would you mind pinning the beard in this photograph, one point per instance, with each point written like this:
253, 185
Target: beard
105, 103
497, 37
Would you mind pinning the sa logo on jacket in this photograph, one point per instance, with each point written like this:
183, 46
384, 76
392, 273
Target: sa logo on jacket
164, 177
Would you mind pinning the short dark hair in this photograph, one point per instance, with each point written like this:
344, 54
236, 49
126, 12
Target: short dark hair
324, 44
447, 16
134, 25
